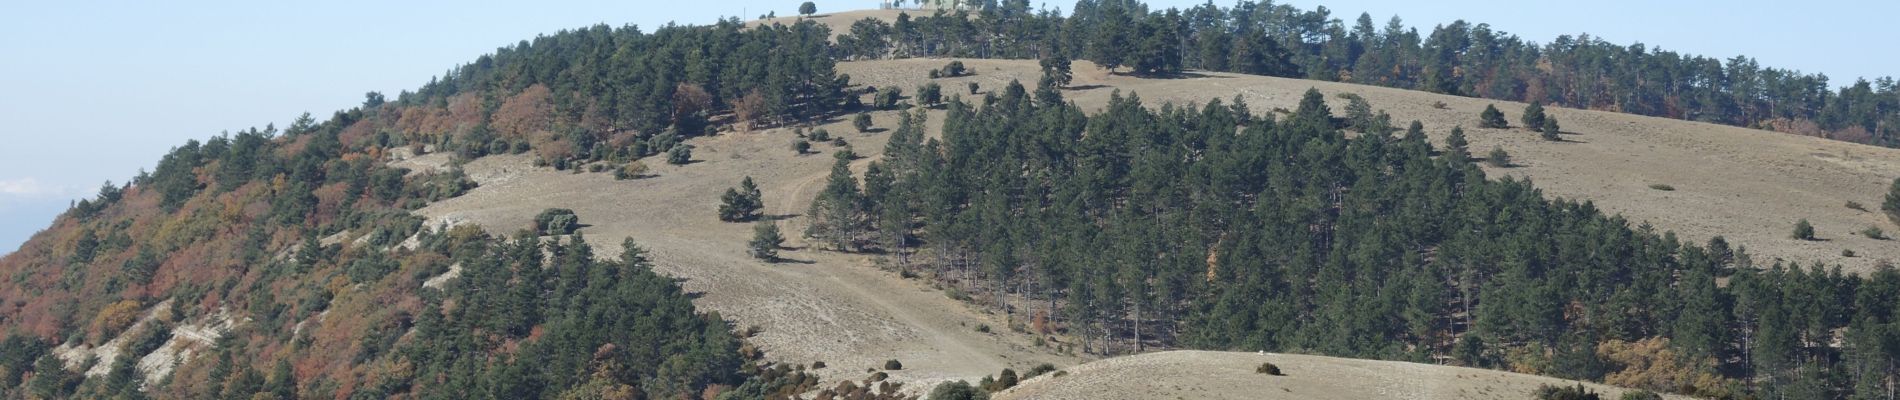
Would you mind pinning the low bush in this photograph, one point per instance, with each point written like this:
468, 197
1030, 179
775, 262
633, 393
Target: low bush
1662, 187
556, 221
1803, 230
1269, 369
893, 365
1548, 392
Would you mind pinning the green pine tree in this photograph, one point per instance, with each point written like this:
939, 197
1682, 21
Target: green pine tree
1491, 118
1533, 116
766, 241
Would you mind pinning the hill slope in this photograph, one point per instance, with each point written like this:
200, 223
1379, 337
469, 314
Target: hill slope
1210, 375
1749, 185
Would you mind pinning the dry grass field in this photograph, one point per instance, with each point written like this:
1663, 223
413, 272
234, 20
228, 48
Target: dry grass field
1229, 375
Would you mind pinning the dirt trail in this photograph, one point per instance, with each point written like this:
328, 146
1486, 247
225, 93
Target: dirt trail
817, 306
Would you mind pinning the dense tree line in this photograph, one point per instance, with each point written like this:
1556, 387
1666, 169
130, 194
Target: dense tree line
1140, 227
621, 93
1459, 58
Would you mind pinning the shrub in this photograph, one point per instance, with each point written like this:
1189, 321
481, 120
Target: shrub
1548, 392
1498, 158
633, 170
1440, 105
680, 154
801, 147
862, 121
893, 365
1849, 253
1269, 369
1874, 232
1040, 369
1803, 230
954, 69
887, 98
934, 74
959, 390
556, 221
819, 135
985, 328
929, 94
1492, 118
1662, 187
974, 88
817, 365
838, 141
1006, 379
1641, 395
1855, 205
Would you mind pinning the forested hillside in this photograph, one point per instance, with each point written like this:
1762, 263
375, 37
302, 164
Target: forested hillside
1459, 58
301, 243
1142, 228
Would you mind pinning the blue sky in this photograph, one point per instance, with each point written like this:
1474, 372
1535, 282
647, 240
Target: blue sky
95, 90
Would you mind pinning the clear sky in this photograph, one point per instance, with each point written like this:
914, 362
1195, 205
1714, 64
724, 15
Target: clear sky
95, 90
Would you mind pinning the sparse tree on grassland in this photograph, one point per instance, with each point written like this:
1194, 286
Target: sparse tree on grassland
1491, 118
929, 94
862, 121
742, 204
836, 215
807, 9
766, 241
1533, 116
1550, 129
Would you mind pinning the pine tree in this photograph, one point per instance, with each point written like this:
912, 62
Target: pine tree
1533, 116
765, 241
836, 213
1491, 118
862, 121
1056, 69
1456, 146
742, 204
1550, 129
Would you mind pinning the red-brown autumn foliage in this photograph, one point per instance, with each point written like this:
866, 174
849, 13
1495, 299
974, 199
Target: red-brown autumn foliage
748, 109
525, 113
